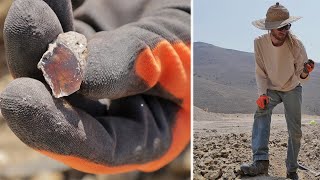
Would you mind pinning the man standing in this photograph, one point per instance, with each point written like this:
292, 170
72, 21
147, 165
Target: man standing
281, 65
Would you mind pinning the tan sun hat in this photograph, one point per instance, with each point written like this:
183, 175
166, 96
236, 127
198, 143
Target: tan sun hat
277, 16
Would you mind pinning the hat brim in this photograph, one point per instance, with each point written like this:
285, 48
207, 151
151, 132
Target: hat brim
262, 24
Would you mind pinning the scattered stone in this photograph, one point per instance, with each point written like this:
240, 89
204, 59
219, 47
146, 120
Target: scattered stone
229, 151
284, 144
213, 174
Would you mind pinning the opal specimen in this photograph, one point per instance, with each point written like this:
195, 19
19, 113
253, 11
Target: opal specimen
63, 63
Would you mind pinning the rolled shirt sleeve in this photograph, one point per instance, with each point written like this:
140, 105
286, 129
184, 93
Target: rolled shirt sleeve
261, 75
300, 58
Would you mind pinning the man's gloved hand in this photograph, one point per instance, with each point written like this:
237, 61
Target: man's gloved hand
308, 66
140, 59
262, 101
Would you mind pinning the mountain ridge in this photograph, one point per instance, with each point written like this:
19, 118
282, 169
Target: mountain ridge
219, 70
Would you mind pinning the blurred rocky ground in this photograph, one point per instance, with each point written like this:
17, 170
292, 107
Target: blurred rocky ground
4, 7
19, 162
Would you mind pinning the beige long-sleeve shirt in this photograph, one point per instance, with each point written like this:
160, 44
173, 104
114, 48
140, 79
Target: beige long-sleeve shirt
276, 67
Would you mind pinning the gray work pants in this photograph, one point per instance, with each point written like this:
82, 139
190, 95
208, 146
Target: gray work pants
261, 126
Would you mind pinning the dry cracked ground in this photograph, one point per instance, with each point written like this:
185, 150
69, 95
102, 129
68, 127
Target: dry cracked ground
222, 143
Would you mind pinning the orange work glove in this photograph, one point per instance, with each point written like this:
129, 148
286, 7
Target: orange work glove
308, 66
138, 59
262, 101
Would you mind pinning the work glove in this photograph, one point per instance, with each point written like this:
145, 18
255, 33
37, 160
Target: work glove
138, 57
262, 101
308, 66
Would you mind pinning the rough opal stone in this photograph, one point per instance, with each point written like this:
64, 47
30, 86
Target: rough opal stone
63, 63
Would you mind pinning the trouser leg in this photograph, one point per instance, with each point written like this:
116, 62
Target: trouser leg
292, 103
261, 128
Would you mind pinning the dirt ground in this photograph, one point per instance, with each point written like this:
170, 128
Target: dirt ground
222, 142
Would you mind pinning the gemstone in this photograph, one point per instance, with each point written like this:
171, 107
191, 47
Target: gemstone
63, 64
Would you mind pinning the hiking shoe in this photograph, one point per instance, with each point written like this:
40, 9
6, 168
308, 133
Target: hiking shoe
293, 175
256, 168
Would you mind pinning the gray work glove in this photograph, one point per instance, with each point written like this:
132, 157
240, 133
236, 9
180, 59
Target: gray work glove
139, 57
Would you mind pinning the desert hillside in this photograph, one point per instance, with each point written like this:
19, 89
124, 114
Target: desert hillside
224, 82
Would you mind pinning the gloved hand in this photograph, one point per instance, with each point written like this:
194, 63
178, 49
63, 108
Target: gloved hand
262, 101
308, 66
140, 59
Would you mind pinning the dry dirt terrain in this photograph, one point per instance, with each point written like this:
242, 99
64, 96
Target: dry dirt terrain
222, 143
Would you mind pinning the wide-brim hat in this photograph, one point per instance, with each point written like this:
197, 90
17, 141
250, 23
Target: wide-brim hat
277, 16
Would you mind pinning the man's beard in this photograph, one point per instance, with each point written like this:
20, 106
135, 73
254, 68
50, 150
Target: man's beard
279, 38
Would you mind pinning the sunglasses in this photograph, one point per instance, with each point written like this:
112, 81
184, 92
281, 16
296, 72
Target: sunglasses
286, 27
